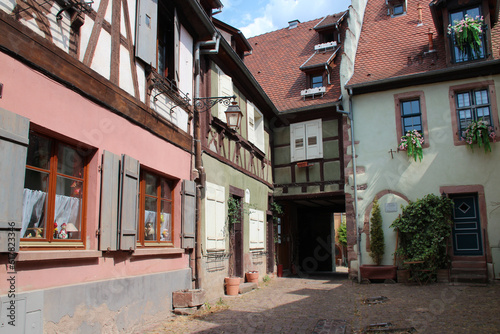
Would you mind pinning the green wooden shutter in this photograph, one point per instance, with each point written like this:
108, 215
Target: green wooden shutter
188, 213
14, 141
129, 202
110, 187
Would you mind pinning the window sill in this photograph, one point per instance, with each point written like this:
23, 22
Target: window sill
157, 251
56, 255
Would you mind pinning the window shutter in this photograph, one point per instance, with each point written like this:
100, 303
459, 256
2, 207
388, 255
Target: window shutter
297, 142
177, 44
225, 89
147, 20
251, 122
257, 230
215, 216
189, 213
14, 141
110, 188
261, 230
129, 202
314, 140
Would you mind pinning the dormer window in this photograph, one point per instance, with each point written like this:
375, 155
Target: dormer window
468, 52
395, 7
316, 81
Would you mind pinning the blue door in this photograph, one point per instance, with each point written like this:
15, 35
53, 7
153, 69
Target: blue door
467, 239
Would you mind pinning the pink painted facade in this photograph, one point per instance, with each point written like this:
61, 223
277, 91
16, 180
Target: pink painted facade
71, 117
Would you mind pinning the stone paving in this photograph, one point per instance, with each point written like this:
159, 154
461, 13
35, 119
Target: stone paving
295, 305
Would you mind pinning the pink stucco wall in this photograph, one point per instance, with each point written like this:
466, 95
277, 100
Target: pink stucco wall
50, 105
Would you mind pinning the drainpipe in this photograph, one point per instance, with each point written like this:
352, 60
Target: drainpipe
198, 165
353, 149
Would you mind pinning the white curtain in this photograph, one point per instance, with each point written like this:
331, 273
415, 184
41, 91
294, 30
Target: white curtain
33, 203
165, 226
67, 211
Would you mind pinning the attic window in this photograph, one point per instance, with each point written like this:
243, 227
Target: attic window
396, 7
293, 24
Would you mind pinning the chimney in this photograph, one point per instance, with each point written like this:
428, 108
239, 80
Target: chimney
419, 13
431, 45
293, 24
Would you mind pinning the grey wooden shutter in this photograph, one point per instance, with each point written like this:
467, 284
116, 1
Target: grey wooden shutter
14, 130
188, 213
129, 202
147, 25
110, 190
177, 37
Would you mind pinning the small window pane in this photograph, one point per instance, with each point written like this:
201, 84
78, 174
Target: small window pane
150, 219
299, 142
473, 12
463, 100
151, 184
317, 81
484, 114
35, 204
39, 152
67, 211
482, 96
166, 189
312, 141
398, 10
166, 223
69, 162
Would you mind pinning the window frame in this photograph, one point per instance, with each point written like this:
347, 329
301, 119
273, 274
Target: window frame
409, 96
141, 242
311, 79
451, 42
453, 90
85, 153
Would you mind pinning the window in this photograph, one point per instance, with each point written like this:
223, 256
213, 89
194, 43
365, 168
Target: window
255, 126
225, 88
306, 140
411, 117
472, 105
396, 8
469, 53
53, 191
215, 216
411, 114
472, 101
316, 81
257, 229
155, 221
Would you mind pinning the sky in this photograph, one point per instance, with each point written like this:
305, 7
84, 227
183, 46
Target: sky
255, 17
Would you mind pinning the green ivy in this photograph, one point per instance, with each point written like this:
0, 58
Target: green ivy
342, 233
424, 228
377, 244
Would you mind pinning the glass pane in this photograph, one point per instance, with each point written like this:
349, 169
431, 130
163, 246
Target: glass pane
317, 81
39, 151
166, 189
69, 162
463, 100
415, 106
473, 12
299, 142
166, 221
398, 9
68, 209
151, 184
481, 96
406, 108
34, 204
456, 17
150, 219
312, 141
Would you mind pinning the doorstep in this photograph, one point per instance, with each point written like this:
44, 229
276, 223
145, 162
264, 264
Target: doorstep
247, 287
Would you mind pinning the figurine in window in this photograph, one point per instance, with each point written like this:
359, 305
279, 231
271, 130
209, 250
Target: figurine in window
149, 233
62, 233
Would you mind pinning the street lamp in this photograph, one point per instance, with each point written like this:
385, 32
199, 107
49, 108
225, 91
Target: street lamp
233, 112
233, 116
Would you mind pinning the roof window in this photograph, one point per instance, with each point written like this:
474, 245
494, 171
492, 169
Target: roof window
396, 7
293, 24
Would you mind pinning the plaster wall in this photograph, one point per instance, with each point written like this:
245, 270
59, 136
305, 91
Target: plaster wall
443, 164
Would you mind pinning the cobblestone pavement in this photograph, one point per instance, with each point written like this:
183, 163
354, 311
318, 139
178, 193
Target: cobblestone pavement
295, 305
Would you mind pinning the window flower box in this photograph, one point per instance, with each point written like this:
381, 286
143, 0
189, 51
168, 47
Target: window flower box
480, 133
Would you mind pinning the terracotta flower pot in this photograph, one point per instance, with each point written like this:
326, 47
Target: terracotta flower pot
280, 270
252, 277
232, 285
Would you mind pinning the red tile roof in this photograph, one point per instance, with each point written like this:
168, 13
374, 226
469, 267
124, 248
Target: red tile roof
391, 47
275, 63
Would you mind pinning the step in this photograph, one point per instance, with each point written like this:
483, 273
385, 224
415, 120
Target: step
469, 278
247, 287
474, 271
468, 264
480, 258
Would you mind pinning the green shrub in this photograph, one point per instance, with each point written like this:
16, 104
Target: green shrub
377, 245
424, 228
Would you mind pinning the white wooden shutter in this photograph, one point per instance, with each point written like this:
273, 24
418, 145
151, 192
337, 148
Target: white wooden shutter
147, 25
225, 89
110, 187
257, 229
189, 213
129, 202
314, 140
298, 141
250, 122
14, 131
215, 214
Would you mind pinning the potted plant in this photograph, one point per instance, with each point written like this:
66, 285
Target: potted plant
377, 249
424, 228
232, 283
480, 133
252, 276
412, 143
467, 33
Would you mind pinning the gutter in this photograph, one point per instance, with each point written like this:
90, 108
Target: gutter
350, 115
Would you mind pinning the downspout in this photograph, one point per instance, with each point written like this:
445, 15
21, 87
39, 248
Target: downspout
198, 165
328, 72
350, 115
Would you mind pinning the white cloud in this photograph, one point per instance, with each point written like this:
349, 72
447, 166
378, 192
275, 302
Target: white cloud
278, 13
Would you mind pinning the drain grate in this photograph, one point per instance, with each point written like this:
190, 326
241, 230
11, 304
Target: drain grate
330, 326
